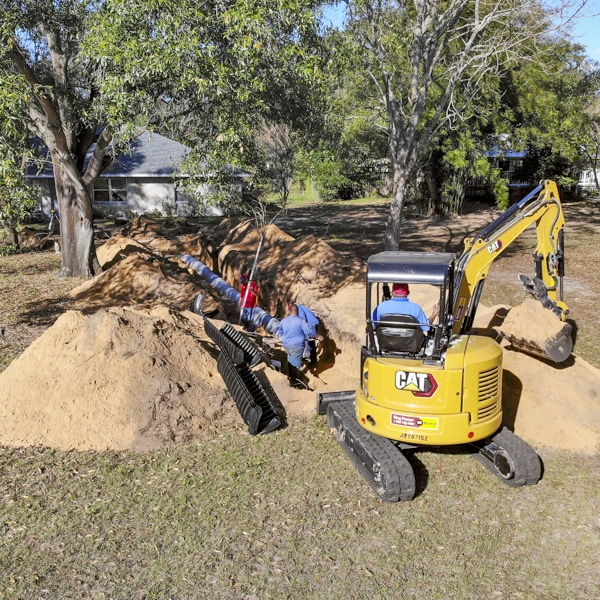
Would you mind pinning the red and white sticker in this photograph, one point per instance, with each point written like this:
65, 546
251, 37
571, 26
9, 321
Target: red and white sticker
414, 422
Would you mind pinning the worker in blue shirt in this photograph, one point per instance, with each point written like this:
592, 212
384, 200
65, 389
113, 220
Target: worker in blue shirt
399, 304
293, 331
310, 347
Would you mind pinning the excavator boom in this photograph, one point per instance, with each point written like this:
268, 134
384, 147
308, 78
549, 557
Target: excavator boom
541, 208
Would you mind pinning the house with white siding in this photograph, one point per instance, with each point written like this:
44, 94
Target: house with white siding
587, 181
145, 179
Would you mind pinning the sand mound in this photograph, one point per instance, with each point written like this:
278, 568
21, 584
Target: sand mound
123, 379
145, 378
118, 247
120, 379
552, 406
288, 267
136, 279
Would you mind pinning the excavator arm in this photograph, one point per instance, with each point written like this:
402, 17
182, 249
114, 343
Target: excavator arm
542, 208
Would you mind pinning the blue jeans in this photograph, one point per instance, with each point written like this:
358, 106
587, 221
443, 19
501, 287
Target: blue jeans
294, 356
247, 315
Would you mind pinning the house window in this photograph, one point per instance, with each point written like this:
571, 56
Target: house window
110, 190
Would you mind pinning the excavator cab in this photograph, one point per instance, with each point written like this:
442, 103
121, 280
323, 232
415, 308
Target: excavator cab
401, 334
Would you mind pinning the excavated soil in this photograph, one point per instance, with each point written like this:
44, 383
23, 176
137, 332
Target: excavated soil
129, 367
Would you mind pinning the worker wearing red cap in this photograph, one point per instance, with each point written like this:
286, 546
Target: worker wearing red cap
399, 304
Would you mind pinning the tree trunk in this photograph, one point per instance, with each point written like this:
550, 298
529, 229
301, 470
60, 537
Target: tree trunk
595, 169
78, 252
392, 233
12, 237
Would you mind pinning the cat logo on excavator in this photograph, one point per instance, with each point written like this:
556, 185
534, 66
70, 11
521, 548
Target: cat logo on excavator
420, 384
495, 247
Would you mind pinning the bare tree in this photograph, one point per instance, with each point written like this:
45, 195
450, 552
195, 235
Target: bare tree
430, 61
276, 143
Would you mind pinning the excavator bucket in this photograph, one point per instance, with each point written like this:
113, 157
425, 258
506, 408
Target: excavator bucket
536, 330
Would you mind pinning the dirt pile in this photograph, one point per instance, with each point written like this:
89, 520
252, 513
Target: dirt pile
137, 278
550, 405
120, 379
555, 405
129, 373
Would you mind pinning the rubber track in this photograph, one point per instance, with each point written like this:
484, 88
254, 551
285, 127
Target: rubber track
396, 479
528, 467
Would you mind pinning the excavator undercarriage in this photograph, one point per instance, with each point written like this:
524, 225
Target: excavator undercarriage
385, 463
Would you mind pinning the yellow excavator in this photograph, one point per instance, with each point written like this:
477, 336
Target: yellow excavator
422, 389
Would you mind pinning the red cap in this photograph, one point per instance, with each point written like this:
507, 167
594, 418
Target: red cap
401, 289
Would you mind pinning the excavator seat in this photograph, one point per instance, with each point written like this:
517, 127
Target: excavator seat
396, 338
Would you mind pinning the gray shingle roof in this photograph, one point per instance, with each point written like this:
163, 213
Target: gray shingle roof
151, 155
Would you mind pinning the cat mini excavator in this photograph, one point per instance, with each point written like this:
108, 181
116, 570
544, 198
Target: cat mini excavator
443, 387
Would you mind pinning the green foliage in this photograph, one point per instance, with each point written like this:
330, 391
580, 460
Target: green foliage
17, 198
203, 73
213, 74
547, 109
353, 141
435, 68
216, 68
544, 108
499, 189
13, 102
325, 170
9, 250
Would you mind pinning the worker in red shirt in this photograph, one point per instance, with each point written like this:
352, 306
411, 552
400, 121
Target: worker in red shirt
248, 300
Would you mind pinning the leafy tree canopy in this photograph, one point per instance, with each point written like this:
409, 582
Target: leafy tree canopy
204, 72
218, 67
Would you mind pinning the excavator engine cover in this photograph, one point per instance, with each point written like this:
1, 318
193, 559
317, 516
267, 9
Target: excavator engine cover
414, 402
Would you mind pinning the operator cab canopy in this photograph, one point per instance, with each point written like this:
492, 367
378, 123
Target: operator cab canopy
432, 268
415, 268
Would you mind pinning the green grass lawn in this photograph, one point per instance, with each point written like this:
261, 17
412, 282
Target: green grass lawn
287, 516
